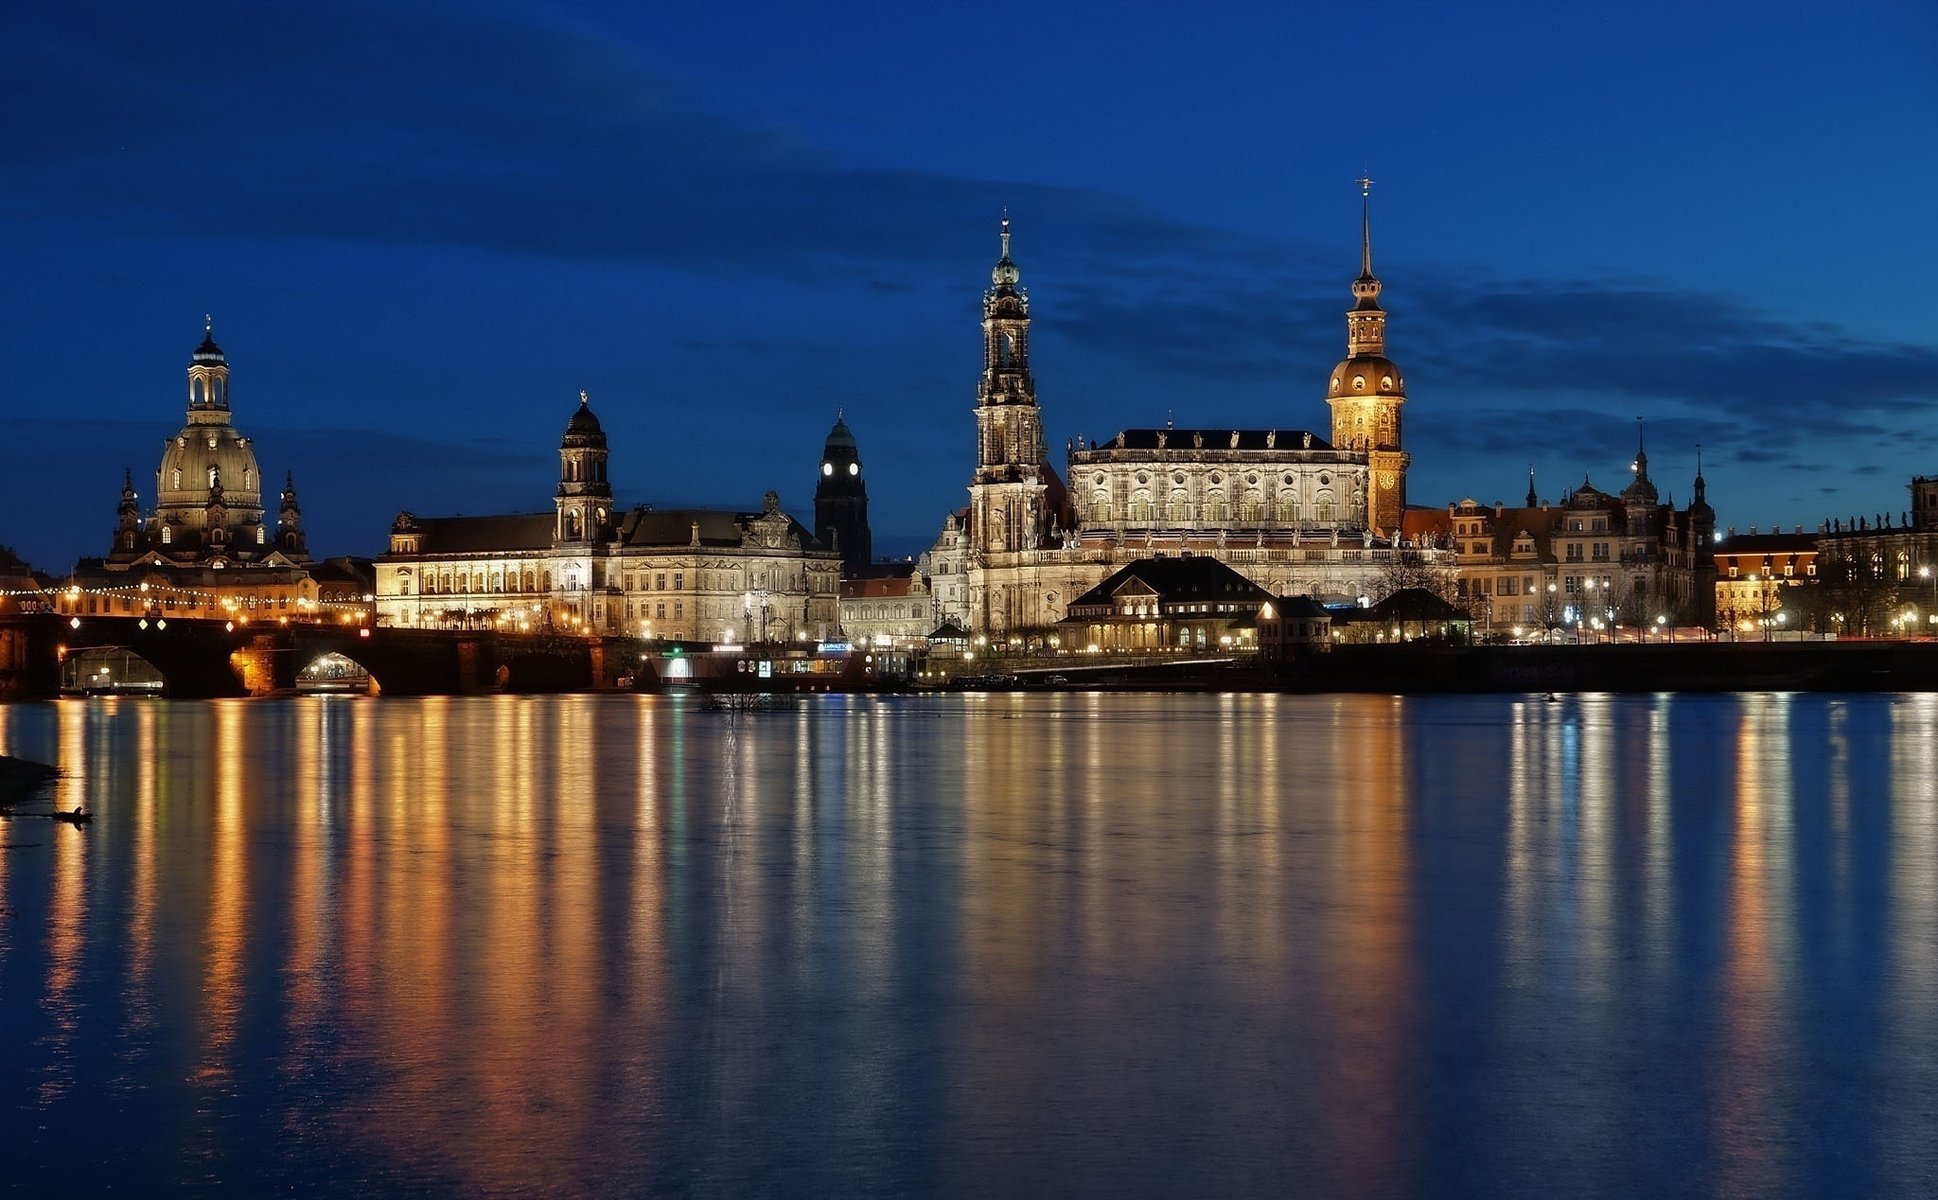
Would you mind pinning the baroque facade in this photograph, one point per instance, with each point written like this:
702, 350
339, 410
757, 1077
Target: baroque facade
586, 567
206, 547
1292, 511
1625, 559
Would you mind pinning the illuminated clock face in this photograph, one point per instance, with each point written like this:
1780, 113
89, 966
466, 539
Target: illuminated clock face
854, 468
827, 468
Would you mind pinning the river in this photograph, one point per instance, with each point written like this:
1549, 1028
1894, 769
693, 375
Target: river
1005, 945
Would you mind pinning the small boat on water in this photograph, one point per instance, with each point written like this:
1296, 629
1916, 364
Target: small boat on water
79, 816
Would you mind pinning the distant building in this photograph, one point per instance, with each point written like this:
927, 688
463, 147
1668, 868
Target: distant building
1879, 572
1293, 625
1753, 571
585, 567
205, 548
1290, 510
887, 608
1186, 604
1625, 559
841, 501
1408, 615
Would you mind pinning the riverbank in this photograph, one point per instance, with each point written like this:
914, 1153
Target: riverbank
1415, 669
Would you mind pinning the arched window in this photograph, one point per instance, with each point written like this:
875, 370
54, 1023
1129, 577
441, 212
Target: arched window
168, 535
1100, 505
248, 479
1252, 510
176, 479
1180, 508
1140, 506
215, 477
1325, 508
260, 535
1215, 509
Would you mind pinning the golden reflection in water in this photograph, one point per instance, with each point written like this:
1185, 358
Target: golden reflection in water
315, 725
227, 916
66, 904
1755, 1035
144, 899
1369, 943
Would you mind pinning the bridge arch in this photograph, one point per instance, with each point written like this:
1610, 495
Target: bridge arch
331, 670
93, 670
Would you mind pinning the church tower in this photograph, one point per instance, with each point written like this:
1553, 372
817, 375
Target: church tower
1640, 496
584, 498
1367, 390
841, 500
289, 523
1007, 496
208, 489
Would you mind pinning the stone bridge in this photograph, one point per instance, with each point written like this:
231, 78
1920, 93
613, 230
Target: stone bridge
203, 659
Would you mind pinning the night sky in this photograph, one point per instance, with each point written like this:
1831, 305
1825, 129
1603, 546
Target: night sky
422, 229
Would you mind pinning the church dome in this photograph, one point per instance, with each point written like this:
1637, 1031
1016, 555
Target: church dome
203, 454
840, 437
208, 352
584, 429
1366, 376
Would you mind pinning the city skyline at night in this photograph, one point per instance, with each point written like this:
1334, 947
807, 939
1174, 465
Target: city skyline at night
422, 231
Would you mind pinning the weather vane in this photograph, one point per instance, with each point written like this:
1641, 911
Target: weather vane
583, 398
1365, 183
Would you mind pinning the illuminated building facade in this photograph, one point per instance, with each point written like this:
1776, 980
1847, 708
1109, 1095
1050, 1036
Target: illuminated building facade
206, 548
1752, 572
1180, 604
1595, 561
587, 567
887, 609
1292, 511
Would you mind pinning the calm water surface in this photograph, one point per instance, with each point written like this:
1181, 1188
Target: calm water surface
976, 946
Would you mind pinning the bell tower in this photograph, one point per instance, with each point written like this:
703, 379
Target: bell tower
208, 380
1367, 391
289, 523
584, 498
1007, 495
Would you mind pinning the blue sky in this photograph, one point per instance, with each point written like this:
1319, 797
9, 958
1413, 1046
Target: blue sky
423, 228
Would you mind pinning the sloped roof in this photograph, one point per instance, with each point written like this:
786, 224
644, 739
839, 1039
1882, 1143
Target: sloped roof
1196, 577
718, 527
483, 535
1767, 543
1415, 604
1301, 607
878, 587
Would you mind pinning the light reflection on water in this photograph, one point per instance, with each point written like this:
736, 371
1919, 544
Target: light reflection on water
978, 945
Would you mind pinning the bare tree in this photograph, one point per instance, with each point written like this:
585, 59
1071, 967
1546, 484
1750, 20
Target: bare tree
1411, 568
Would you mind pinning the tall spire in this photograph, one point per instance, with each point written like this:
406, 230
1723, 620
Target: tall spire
1005, 275
1532, 501
1365, 226
1641, 464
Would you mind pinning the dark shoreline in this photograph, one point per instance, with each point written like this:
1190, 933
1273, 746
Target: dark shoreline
1415, 669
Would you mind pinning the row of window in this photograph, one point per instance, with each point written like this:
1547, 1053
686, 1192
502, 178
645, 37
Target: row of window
1251, 511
